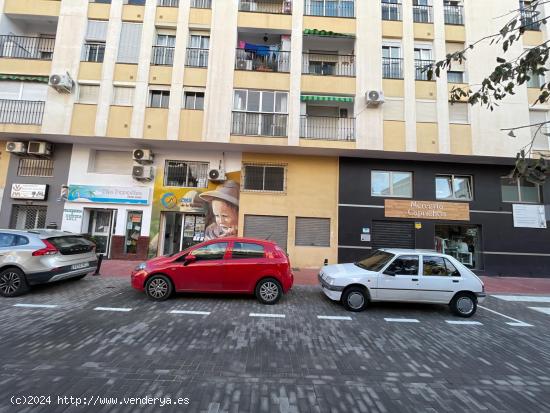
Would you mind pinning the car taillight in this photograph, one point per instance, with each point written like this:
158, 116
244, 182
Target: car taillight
50, 249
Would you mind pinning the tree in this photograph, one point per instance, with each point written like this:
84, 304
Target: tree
505, 77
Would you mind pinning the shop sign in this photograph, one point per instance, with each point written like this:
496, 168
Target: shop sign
529, 216
446, 211
108, 194
29, 191
72, 214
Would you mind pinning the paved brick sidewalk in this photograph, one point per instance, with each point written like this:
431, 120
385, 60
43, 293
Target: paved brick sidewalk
308, 276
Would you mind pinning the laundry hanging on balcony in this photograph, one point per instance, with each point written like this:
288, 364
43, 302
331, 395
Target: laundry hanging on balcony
317, 98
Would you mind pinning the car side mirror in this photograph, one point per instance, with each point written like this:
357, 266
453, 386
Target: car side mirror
189, 259
389, 272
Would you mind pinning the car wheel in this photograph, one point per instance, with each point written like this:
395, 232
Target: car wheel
13, 283
158, 288
355, 299
269, 291
464, 305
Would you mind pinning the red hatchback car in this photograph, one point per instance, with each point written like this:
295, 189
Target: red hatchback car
228, 265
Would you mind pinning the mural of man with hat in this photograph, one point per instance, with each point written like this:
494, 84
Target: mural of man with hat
224, 201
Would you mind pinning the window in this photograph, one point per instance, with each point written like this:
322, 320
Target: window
194, 100
88, 94
426, 111
519, 191
169, 3
535, 81
394, 109
247, 250
422, 11
438, 266
391, 10
133, 231
159, 98
135, 2
458, 112
28, 217
12, 240
455, 77
186, 174
330, 8
257, 112
404, 265
197, 50
264, 178
94, 46
453, 187
391, 184
539, 130
201, 4
35, 167
163, 50
313, 232
214, 251
392, 62
123, 96
110, 162
422, 58
130, 43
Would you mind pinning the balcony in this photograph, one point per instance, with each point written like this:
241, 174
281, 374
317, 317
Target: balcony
24, 47
163, 56
266, 6
327, 128
21, 112
259, 124
530, 19
391, 11
328, 64
422, 14
392, 68
421, 68
454, 15
336, 8
262, 61
38, 8
196, 57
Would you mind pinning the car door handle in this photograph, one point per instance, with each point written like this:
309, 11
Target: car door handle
415, 279
455, 281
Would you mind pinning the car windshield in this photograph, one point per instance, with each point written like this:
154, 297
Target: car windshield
376, 261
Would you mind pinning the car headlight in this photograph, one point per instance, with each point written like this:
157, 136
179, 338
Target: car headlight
141, 266
329, 280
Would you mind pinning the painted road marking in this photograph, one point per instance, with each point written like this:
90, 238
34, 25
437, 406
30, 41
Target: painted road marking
190, 312
267, 315
125, 310
402, 320
517, 323
523, 298
545, 310
36, 305
464, 322
333, 317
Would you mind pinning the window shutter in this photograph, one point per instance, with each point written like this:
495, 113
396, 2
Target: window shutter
313, 232
88, 93
267, 227
426, 111
34, 91
123, 96
541, 142
130, 43
453, 48
97, 31
394, 109
458, 113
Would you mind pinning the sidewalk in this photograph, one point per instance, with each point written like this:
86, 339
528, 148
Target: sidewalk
308, 276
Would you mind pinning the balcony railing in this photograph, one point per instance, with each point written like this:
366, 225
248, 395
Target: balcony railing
335, 8
328, 64
163, 56
201, 4
196, 57
421, 68
266, 6
21, 112
422, 14
327, 128
259, 124
168, 3
530, 19
392, 68
391, 11
262, 60
23, 47
454, 15
93, 52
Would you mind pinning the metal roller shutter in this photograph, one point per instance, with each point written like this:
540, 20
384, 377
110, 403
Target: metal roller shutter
313, 232
393, 234
267, 227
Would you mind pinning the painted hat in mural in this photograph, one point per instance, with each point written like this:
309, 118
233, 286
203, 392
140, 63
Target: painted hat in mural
229, 191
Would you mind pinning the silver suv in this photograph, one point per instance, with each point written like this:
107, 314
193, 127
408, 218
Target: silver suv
42, 256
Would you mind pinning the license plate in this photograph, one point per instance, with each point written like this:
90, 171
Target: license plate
79, 266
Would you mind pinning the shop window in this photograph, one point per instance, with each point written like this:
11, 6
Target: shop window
462, 242
264, 178
438, 266
186, 174
313, 232
247, 250
453, 187
133, 231
519, 191
194, 100
28, 217
391, 184
214, 251
404, 265
35, 167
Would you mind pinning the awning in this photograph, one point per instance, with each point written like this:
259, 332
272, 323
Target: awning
317, 98
326, 33
24, 78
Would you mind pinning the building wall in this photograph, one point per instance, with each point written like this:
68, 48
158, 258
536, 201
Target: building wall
4, 164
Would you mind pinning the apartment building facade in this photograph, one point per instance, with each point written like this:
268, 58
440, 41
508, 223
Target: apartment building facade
315, 118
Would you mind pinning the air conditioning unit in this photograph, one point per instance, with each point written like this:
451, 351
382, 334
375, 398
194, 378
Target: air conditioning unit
40, 148
249, 6
143, 173
62, 83
216, 175
244, 64
143, 156
374, 98
18, 148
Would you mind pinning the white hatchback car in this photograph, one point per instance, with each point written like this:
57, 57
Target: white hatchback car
405, 276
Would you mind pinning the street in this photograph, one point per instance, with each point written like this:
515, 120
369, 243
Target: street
97, 339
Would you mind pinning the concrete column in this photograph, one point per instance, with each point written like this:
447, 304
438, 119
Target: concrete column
440, 52
296, 43
408, 75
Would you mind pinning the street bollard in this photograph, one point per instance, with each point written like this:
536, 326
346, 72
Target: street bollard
99, 261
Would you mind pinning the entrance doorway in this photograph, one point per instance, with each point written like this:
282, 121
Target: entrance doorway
180, 231
100, 227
